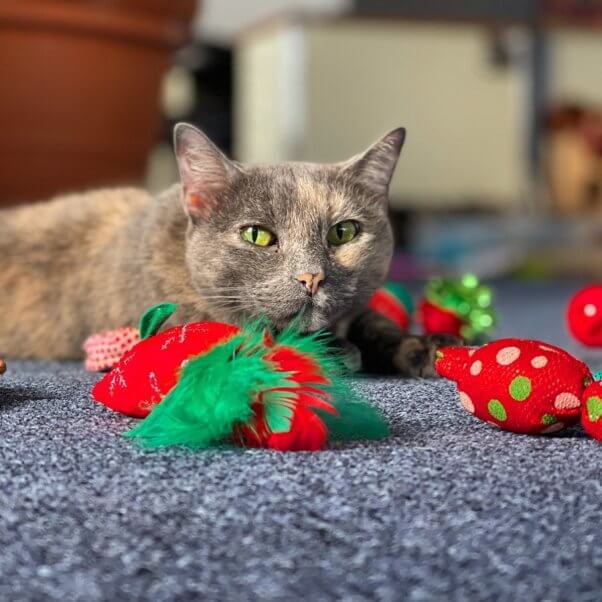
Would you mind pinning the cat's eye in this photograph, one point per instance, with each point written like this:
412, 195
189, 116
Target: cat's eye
343, 232
257, 235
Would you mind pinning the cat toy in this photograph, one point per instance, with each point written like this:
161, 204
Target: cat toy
584, 316
462, 308
210, 383
395, 303
524, 386
105, 349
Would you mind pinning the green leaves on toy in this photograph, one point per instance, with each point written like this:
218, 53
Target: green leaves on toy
154, 317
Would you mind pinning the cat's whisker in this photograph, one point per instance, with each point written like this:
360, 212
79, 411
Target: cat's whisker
234, 305
222, 297
224, 289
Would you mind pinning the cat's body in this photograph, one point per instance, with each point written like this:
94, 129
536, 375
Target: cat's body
91, 262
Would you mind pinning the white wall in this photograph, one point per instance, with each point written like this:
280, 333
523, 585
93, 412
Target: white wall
347, 82
219, 21
465, 119
576, 65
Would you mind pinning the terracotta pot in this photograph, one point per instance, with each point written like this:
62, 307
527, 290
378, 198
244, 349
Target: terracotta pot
80, 81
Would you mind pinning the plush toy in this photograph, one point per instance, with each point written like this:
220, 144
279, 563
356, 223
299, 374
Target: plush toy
104, 350
208, 383
394, 302
584, 316
591, 411
458, 307
522, 386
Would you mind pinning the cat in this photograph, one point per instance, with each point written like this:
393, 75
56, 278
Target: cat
229, 242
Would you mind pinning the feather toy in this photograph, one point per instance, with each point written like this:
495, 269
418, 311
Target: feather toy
210, 383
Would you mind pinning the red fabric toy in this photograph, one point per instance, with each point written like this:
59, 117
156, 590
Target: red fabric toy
208, 383
518, 385
591, 412
394, 302
461, 307
438, 320
584, 316
104, 350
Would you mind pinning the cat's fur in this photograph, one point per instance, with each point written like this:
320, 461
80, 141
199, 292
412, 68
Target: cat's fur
90, 262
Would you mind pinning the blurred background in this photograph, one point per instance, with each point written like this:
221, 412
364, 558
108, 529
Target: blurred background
502, 169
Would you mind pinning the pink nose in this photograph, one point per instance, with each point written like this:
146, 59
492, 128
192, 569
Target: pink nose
311, 281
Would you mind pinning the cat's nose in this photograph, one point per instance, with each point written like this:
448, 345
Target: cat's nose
311, 281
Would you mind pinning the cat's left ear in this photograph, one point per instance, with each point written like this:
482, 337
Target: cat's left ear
205, 171
374, 168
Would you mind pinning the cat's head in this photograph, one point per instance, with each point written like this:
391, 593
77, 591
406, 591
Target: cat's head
273, 240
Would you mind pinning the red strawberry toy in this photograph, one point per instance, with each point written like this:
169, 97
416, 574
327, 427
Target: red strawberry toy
461, 308
438, 320
518, 385
584, 316
394, 302
591, 412
210, 383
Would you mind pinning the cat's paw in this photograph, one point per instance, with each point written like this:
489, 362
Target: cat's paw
417, 354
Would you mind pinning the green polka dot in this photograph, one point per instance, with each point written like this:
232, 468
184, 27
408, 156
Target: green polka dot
497, 410
594, 408
548, 419
520, 388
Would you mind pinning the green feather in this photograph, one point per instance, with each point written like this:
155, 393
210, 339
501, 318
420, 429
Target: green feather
278, 415
216, 390
356, 418
214, 393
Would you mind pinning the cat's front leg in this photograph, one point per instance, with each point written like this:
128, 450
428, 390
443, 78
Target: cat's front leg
385, 349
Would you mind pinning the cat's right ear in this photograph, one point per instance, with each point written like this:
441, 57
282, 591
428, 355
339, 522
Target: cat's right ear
204, 170
374, 167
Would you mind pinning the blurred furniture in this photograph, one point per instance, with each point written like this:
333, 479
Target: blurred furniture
470, 90
573, 159
80, 90
322, 90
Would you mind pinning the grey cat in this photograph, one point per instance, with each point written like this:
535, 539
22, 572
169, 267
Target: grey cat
231, 241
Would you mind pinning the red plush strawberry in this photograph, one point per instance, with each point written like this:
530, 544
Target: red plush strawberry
394, 302
591, 413
438, 320
458, 307
519, 385
146, 373
584, 316
207, 382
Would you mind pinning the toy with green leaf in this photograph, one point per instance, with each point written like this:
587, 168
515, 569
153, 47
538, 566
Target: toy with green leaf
458, 307
210, 383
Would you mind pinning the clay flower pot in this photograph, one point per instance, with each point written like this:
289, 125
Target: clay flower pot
80, 90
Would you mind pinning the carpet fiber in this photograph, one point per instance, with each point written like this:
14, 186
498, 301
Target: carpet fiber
446, 509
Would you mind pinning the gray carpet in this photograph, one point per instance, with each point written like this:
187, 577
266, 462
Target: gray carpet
446, 509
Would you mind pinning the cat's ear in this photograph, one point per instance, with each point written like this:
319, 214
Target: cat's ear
374, 167
204, 170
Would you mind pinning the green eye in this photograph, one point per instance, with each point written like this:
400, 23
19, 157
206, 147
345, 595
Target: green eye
343, 232
257, 235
